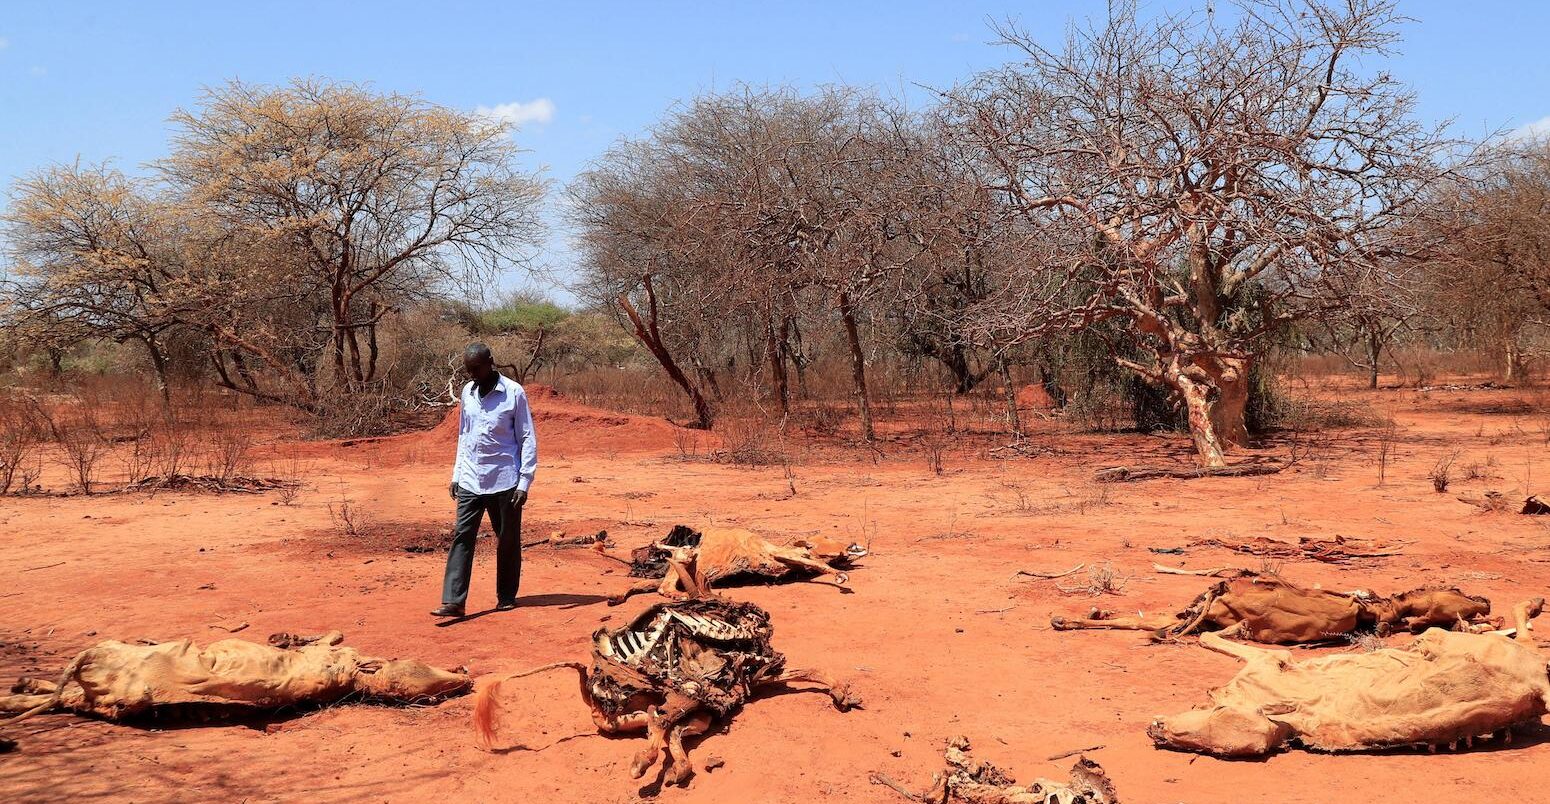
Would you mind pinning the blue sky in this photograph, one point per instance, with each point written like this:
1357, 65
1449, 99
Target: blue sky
97, 80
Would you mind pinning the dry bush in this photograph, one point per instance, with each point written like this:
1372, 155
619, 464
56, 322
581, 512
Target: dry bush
1307, 415
348, 517
750, 437
23, 430
81, 449
1385, 449
1101, 580
1442, 472
226, 450
1481, 470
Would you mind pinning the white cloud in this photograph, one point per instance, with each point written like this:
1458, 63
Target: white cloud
36, 71
1537, 130
4, 43
517, 113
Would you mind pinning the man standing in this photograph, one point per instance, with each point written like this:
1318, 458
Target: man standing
497, 454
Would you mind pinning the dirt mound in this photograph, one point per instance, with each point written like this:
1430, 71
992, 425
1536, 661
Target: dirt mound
569, 428
1034, 397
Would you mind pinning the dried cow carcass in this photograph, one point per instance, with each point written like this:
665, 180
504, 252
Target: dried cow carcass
723, 554
672, 672
120, 680
972, 781
1271, 610
1443, 688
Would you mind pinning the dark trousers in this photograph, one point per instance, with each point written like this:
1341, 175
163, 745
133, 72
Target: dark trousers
506, 521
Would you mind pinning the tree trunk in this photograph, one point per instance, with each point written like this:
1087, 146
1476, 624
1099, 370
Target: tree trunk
1215, 391
1515, 370
159, 363
1202, 428
1005, 368
857, 366
774, 352
1374, 351
651, 338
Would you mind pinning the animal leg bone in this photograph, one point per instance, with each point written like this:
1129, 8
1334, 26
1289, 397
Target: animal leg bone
682, 768
1242, 652
638, 589
1139, 622
838, 690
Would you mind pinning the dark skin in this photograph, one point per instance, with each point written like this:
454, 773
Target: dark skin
481, 369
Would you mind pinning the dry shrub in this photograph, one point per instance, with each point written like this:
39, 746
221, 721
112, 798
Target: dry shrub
227, 448
750, 437
1442, 472
81, 449
1101, 580
23, 430
348, 517
1306, 415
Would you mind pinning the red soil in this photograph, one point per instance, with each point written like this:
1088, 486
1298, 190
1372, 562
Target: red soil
938, 638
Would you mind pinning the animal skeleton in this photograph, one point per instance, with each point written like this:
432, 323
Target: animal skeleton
672, 672
726, 553
1271, 610
1443, 688
119, 680
973, 781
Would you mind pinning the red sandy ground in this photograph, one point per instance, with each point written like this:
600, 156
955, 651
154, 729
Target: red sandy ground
937, 636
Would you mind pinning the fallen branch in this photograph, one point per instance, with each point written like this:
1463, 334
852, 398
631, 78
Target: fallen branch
1049, 575
1129, 474
45, 566
1073, 752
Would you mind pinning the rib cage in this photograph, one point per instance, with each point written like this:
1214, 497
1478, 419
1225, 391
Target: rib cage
713, 651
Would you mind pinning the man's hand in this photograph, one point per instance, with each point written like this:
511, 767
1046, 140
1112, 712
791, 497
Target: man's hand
518, 498
452, 489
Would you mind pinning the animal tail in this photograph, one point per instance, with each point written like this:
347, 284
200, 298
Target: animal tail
485, 706
59, 691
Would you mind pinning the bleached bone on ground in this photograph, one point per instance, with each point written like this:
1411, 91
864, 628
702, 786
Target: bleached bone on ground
672, 673
119, 680
722, 554
1337, 550
972, 781
1271, 610
1444, 688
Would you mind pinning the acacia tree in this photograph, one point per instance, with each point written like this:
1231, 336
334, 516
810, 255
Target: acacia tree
1199, 176
366, 200
638, 258
96, 255
1498, 280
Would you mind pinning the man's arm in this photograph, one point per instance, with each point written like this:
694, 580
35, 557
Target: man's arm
527, 461
462, 425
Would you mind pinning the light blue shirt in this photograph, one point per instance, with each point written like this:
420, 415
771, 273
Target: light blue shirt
497, 449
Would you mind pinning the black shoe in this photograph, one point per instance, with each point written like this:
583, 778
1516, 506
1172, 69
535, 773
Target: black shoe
448, 610
506, 605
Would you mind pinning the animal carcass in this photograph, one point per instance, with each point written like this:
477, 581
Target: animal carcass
722, 554
1443, 688
1271, 610
672, 672
972, 781
121, 680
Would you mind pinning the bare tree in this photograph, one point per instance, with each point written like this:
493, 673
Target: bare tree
1199, 176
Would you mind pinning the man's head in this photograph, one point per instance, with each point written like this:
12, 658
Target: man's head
479, 363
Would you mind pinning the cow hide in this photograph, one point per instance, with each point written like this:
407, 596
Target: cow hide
121, 680
1443, 688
